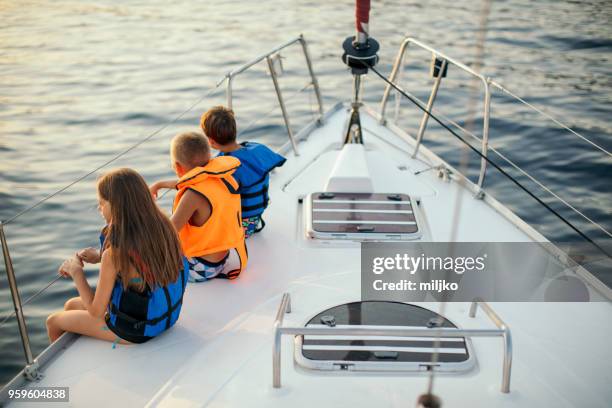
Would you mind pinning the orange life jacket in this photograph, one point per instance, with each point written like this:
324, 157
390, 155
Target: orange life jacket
223, 230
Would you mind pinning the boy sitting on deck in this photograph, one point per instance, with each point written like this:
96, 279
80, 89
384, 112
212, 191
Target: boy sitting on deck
257, 162
206, 210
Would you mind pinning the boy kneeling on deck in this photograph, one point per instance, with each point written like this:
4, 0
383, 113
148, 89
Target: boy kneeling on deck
206, 210
257, 160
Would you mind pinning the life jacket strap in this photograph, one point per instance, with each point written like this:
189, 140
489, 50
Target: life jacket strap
169, 304
230, 187
262, 192
247, 208
137, 323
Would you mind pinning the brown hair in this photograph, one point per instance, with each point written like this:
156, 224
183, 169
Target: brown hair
190, 149
139, 234
219, 124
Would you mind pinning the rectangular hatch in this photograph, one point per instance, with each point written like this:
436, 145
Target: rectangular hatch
366, 216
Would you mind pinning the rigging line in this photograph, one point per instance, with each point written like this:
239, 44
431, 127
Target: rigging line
114, 158
605, 231
496, 166
541, 112
446, 118
35, 295
438, 167
541, 185
451, 252
28, 300
159, 197
480, 46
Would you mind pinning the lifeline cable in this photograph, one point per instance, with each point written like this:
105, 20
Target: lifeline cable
114, 158
464, 163
13, 313
541, 112
511, 163
111, 160
48, 285
496, 166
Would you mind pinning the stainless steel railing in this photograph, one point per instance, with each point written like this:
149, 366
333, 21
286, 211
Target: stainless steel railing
31, 368
502, 331
488, 84
507, 337
269, 56
446, 60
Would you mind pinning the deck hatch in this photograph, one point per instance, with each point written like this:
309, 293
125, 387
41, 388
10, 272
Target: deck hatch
361, 216
381, 353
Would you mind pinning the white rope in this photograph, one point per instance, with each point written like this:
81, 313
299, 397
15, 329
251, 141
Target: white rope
114, 158
541, 112
551, 192
480, 45
48, 285
28, 300
523, 172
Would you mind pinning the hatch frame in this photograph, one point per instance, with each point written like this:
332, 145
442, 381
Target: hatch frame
502, 330
312, 233
385, 366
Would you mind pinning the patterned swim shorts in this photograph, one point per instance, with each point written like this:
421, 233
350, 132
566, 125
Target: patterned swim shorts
201, 270
251, 225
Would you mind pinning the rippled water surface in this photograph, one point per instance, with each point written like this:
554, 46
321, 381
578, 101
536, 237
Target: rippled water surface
80, 81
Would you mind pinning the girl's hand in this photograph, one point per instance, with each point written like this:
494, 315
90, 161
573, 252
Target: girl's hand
89, 255
71, 267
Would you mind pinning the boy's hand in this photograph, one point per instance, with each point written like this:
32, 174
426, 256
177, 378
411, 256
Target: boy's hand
89, 255
154, 189
71, 267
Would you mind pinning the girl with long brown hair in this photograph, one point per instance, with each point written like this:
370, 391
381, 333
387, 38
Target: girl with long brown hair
142, 272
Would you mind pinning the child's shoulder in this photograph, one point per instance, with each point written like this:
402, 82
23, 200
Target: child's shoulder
256, 158
248, 149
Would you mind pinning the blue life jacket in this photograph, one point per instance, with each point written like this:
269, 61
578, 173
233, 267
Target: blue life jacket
256, 162
138, 317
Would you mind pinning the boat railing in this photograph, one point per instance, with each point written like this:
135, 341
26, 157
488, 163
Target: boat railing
502, 330
31, 368
269, 57
31, 371
440, 63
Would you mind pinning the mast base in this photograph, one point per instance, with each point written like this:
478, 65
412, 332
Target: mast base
360, 56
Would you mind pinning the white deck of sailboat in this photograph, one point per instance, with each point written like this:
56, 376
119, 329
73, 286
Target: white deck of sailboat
220, 351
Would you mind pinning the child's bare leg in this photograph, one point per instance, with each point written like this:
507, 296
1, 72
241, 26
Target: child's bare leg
74, 303
81, 322
53, 331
